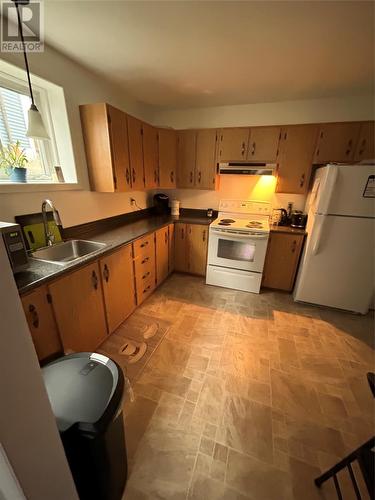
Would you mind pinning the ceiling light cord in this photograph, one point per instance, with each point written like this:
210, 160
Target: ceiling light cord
24, 53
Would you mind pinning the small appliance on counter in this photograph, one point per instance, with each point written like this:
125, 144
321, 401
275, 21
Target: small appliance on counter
280, 217
15, 245
161, 204
175, 207
298, 219
210, 212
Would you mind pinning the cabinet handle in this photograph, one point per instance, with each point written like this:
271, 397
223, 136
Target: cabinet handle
199, 176
106, 273
166, 237
182, 233
204, 235
144, 244
155, 177
34, 316
172, 176
191, 177
253, 151
145, 260
127, 175
243, 148
145, 275
94, 279
350, 143
294, 246
302, 181
147, 288
133, 175
317, 152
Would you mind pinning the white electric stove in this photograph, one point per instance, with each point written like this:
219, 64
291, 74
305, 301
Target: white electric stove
237, 245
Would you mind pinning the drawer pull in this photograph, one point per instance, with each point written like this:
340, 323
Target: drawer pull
133, 176
147, 289
94, 280
145, 275
127, 175
145, 260
144, 244
34, 316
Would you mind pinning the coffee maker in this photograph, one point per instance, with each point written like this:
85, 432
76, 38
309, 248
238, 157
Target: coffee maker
161, 204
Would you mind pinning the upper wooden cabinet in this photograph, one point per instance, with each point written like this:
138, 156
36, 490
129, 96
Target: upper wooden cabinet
106, 143
233, 144
205, 164
186, 158
282, 259
77, 300
365, 149
162, 254
294, 162
135, 131
336, 142
167, 157
263, 144
118, 286
42, 324
150, 156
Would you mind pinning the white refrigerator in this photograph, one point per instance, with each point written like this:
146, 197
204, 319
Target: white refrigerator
337, 265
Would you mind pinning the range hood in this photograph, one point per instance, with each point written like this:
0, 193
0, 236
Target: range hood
247, 168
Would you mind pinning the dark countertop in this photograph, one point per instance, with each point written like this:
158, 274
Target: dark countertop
40, 272
287, 229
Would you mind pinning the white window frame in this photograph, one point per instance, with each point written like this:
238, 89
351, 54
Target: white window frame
50, 101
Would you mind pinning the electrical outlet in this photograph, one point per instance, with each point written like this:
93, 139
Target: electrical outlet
132, 202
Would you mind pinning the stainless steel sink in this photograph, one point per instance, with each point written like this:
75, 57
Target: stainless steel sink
68, 251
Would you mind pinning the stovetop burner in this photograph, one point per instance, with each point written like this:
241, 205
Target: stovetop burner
224, 223
227, 221
255, 224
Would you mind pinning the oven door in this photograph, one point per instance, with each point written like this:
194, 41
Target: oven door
236, 250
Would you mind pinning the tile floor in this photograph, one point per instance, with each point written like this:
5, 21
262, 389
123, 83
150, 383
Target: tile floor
242, 396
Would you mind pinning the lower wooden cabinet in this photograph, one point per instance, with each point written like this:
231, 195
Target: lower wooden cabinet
144, 265
191, 248
171, 248
42, 324
79, 308
282, 259
162, 254
117, 272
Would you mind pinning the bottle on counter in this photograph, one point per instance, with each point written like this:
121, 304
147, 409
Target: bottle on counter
210, 212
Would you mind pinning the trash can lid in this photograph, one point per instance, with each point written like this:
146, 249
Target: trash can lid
80, 387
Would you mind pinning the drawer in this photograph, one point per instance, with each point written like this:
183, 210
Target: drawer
144, 246
145, 287
144, 267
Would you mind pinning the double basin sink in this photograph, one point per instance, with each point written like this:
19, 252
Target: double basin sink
67, 251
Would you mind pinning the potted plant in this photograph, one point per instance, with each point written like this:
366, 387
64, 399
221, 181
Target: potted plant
14, 161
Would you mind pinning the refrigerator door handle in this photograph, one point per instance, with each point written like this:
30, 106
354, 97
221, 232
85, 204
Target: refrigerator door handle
318, 239
329, 187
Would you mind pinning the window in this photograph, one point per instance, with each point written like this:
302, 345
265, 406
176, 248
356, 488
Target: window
41, 157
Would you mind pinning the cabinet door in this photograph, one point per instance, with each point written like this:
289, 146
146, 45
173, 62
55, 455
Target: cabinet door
180, 247
186, 156
167, 158
77, 301
365, 149
162, 251
197, 248
233, 144
150, 156
263, 144
136, 152
294, 162
118, 286
42, 324
336, 142
96, 135
171, 248
281, 262
118, 132
206, 159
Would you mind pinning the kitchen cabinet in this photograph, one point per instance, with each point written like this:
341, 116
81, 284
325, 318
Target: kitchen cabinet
283, 254
365, 149
180, 248
206, 150
150, 156
294, 161
42, 324
263, 144
106, 143
118, 286
162, 254
336, 142
167, 157
186, 158
191, 248
197, 236
144, 265
135, 131
171, 248
77, 301
233, 144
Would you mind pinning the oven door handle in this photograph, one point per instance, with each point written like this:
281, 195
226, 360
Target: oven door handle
239, 235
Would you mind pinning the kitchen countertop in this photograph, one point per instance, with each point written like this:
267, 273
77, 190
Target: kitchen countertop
39, 272
287, 229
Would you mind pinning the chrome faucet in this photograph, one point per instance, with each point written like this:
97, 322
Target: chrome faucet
50, 237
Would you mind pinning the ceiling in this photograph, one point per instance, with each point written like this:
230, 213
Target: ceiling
179, 54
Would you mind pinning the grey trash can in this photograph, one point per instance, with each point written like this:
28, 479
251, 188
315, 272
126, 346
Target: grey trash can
86, 390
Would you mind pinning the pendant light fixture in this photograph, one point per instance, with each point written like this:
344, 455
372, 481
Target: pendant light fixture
36, 128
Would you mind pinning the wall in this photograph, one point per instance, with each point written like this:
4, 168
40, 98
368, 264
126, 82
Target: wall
277, 113
28, 429
80, 87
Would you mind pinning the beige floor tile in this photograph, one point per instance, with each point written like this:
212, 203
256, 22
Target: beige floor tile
204, 487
